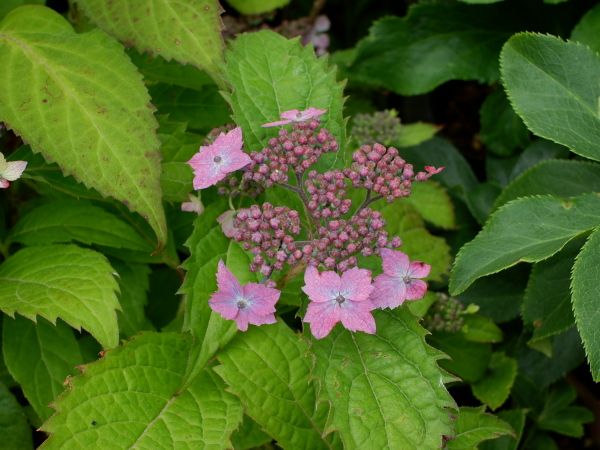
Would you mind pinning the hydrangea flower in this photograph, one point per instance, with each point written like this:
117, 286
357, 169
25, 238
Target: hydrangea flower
399, 280
336, 299
252, 303
193, 205
10, 171
295, 115
213, 162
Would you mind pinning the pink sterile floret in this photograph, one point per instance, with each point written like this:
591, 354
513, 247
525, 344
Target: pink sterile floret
252, 303
10, 171
193, 205
399, 280
295, 115
336, 299
213, 162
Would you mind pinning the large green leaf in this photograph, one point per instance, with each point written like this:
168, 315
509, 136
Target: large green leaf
133, 285
39, 356
474, 426
14, 429
63, 281
268, 367
389, 382
560, 416
586, 295
434, 43
433, 203
78, 100
547, 301
139, 393
538, 151
587, 30
251, 7
576, 177
494, 388
270, 74
553, 85
7, 5
467, 360
71, 220
530, 229
186, 31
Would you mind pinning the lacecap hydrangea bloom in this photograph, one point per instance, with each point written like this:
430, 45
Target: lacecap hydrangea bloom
327, 239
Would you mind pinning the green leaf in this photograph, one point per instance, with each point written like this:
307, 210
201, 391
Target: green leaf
139, 393
202, 109
467, 360
268, 368
14, 429
553, 86
8, 5
72, 220
188, 32
494, 388
585, 289
133, 284
530, 229
434, 43
576, 178
433, 203
270, 74
389, 381
249, 435
252, 7
547, 301
502, 131
63, 281
559, 416
516, 419
480, 329
39, 356
474, 426
538, 151
87, 108
415, 133
587, 30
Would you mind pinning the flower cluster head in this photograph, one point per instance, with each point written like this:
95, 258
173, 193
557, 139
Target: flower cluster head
336, 234
10, 171
385, 172
446, 314
268, 233
380, 126
252, 303
214, 162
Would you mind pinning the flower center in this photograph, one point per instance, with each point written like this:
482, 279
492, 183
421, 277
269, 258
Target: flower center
217, 159
241, 304
340, 299
406, 279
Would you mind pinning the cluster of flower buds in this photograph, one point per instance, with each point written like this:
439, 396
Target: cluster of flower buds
268, 232
341, 241
381, 126
382, 170
446, 314
326, 194
297, 150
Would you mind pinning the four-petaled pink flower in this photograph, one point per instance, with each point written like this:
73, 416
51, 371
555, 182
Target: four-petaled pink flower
252, 303
399, 280
213, 162
336, 299
295, 115
10, 171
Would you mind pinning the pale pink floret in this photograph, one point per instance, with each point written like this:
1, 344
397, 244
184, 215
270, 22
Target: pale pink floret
226, 222
295, 115
10, 171
213, 162
252, 303
431, 170
193, 205
399, 280
336, 299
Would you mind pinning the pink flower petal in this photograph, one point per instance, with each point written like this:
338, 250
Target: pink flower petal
291, 115
4, 183
224, 304
263, 298
356, 320
230, 141
194, 205
311, 113
433, 170
236, 161
394, 263
226, 221
389, 292
356, 284
276, 124
322, 318
416, 289
418, 269
321, 287
226, 281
